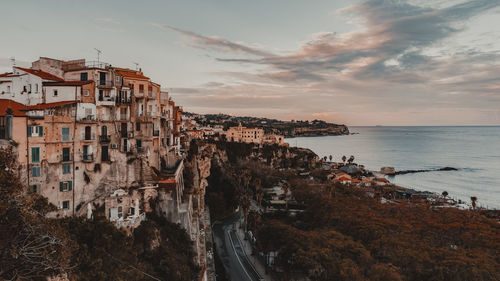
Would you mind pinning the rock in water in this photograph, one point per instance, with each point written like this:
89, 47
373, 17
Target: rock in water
388, 171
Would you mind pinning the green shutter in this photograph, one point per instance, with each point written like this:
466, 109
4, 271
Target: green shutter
70, 185
29, 131
60, 186
40, 131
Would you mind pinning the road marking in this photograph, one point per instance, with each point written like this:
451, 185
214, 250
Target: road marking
237, 257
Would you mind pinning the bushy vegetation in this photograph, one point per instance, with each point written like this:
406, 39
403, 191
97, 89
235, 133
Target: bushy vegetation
33, 247
351, 237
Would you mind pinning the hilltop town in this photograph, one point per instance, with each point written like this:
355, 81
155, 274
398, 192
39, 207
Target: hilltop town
104, 177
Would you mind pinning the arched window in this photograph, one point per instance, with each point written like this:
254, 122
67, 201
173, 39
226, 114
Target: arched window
104, 131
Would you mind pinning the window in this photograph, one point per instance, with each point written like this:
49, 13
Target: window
119, 200
141, 89
35, 188
54, 93
137, 126
35, 131
131, 211
84, 76
65, 205
35, 155
8, 89
66, 169
65, 134
35, 171
29, 88
120, 211
139, 143
36, 88
65, 186
66, 154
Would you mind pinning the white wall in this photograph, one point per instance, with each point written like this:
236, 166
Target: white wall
17, 86
64, 93
83, 108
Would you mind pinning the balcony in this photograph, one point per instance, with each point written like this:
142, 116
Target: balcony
156, 133
104, 83
105, 138
139, 94
123, 100
66, 158
88, 119
89, 157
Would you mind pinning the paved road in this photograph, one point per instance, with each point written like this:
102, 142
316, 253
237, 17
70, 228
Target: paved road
231, 252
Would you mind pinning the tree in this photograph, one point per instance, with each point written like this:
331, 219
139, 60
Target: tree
32, 247
344, 159
351, 159
445, 194
331, 157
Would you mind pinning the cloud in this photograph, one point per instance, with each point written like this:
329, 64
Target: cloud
206, 42
403, 59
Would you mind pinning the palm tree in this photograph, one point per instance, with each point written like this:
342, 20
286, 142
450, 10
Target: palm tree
351, 159
473, 199
445, 194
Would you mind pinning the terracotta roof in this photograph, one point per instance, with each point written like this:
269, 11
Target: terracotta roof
67, 83
128, 73
5, 74
41, 74
49, 105
17, 108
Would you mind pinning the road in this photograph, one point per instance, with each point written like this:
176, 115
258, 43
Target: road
231, 252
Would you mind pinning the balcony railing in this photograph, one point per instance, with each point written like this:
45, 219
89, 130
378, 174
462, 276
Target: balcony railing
106, 98
87, 157
88, 137
97, 64
67, 158
105, 138
105, 83
88, 118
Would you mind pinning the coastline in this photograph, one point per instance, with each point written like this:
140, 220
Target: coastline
418, 180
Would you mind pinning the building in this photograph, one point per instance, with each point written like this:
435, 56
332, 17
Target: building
252, 135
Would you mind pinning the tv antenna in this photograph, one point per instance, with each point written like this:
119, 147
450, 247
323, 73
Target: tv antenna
136, 65
99, 52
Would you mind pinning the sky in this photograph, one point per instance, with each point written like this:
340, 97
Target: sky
376, 62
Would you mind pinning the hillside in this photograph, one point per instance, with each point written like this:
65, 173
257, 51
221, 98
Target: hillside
293, 128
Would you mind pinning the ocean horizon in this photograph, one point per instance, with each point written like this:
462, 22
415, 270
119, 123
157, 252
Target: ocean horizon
473, 150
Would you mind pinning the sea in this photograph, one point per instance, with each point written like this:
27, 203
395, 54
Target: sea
473, 150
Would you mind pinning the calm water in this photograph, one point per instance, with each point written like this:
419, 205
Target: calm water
475, 151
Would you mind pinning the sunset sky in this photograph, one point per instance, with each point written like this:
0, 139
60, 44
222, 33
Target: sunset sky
359, 63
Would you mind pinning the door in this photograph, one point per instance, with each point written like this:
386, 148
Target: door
102, 78
88, 133
104, 153
124, 130
85, 151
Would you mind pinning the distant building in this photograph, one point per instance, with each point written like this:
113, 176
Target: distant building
252, 135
